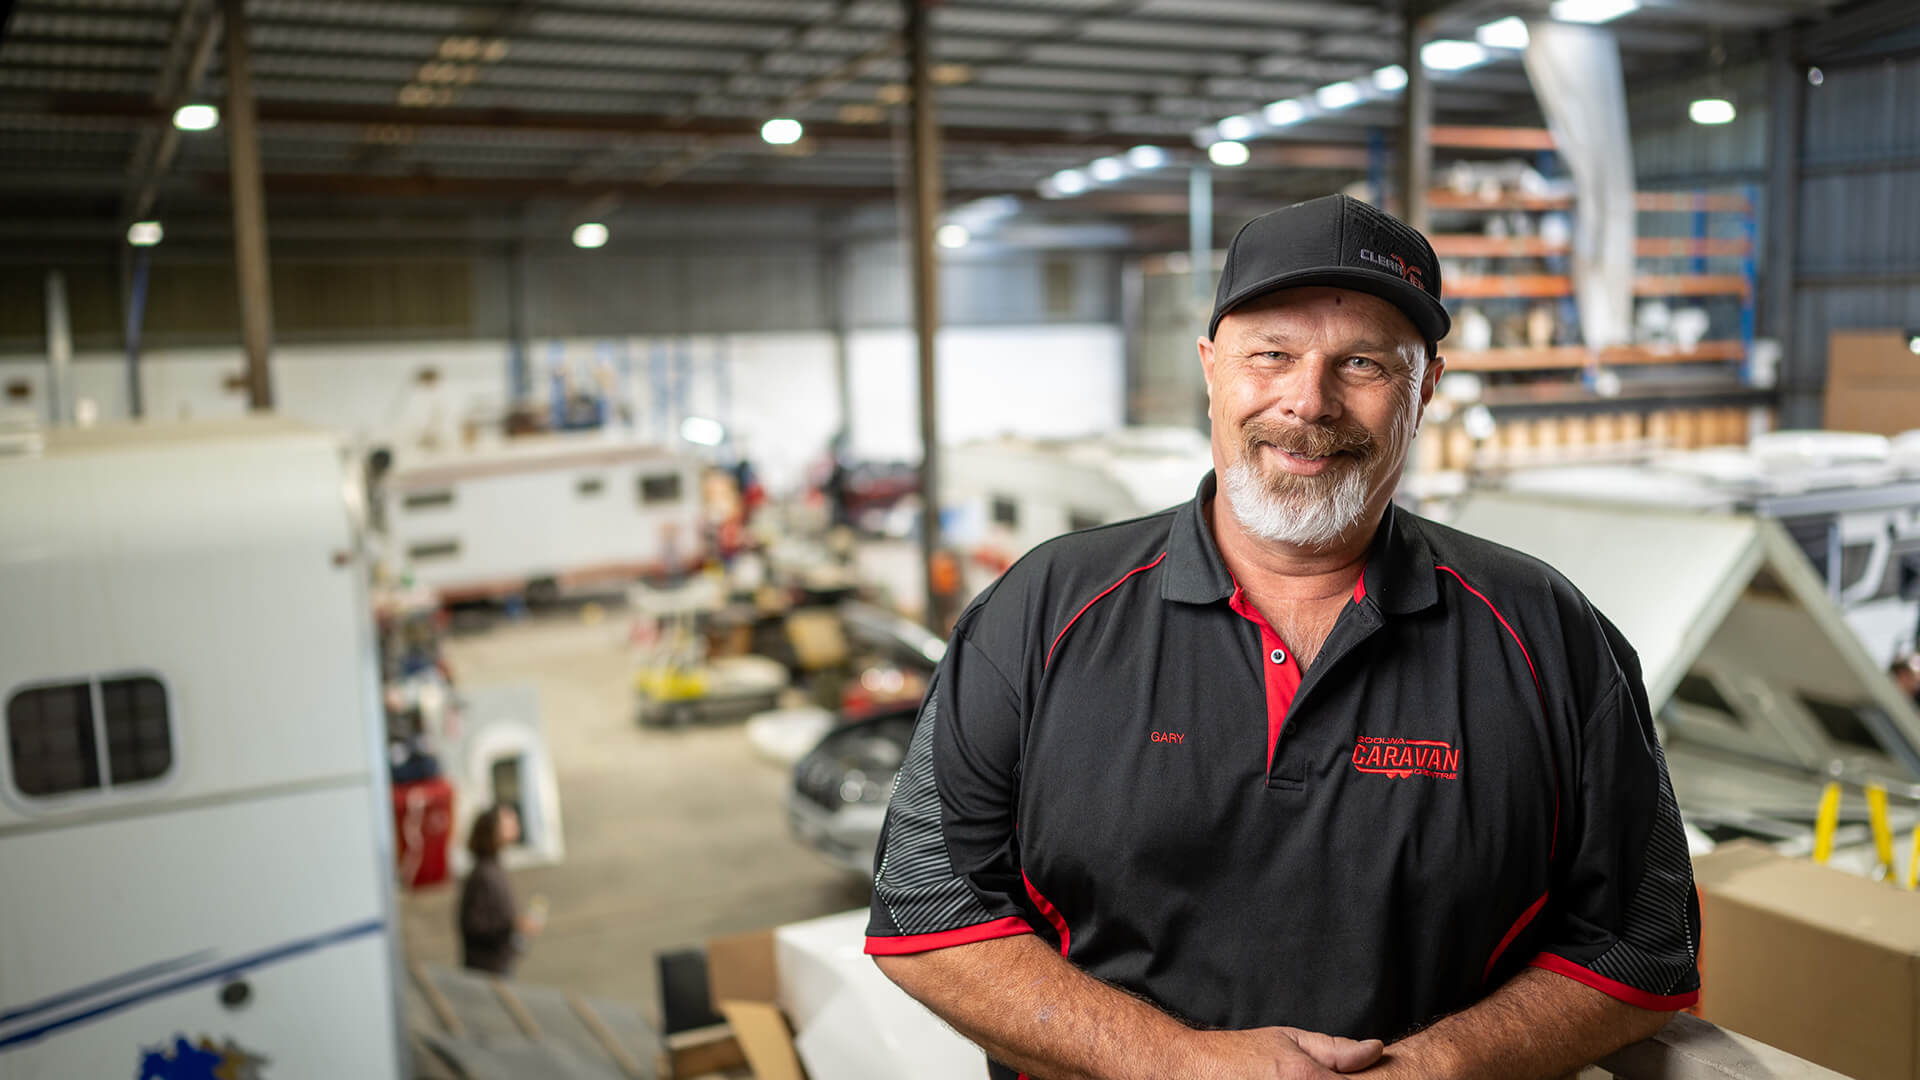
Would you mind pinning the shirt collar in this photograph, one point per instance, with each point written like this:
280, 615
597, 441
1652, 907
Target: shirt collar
1398, 575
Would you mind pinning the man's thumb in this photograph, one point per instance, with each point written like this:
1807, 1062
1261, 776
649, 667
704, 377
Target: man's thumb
1338, 1054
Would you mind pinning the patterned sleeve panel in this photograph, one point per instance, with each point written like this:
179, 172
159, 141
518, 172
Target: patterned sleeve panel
1625, 917
948, 872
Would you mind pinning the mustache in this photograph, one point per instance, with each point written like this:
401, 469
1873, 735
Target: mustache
1308, 440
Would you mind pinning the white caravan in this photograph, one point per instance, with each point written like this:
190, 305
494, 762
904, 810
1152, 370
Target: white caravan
1010, 494
541, 514
195, 842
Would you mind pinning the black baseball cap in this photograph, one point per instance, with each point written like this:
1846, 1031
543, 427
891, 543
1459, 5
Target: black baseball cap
1340, 241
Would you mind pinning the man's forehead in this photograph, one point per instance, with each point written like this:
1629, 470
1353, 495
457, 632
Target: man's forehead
1317, 309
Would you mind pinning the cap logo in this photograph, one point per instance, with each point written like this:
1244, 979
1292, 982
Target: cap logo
1396, 264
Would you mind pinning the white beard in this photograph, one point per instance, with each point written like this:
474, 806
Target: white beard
1302, 517
1304, 513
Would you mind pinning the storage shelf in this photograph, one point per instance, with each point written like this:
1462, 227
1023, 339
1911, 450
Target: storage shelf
1474, 246
1572, 357
1646, 201
1549, 286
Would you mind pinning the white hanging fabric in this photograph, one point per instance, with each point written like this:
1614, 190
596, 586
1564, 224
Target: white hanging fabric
1575, 71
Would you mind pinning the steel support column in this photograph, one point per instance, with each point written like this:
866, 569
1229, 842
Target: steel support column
925, 170
1200, 232
59, 353
1416, 123
249, 209
1786, 125
833, 304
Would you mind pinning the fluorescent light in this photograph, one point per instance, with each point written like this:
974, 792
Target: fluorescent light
1107, 169
1070, 181
1229, 153
1235, 128
1337, 95
702, 431
1711, 111
1592, 11
1913, 344
196, 118
1146, 157
1390, 78
952, 235
781, 131
1449, 55
1282, 113
144, 233
589, 234
1507, 33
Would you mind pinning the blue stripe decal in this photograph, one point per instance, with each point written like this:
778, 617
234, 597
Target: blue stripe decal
114, 982
257, 960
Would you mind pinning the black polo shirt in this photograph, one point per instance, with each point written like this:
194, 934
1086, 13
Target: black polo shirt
1120, 755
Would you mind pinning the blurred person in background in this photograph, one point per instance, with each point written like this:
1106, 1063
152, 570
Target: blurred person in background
493, 931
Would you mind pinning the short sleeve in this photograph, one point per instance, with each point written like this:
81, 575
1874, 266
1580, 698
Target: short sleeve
1623, 917
947, 871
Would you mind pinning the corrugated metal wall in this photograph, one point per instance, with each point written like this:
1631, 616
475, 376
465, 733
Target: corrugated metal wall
1859, 232
675, 287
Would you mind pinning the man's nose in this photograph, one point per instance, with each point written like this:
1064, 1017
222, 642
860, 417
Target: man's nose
1308, 393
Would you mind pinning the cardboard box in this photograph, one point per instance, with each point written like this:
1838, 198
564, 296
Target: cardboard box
1820, 963
806, 992
1873, 382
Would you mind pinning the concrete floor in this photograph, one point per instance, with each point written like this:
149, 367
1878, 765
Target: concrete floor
672, 837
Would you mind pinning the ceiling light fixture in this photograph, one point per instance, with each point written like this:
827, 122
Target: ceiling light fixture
1283, 113
590, 234
1337, 95
1592, 11
1146, 157
703, 431
1070, 181
144, 233
1508, 33
951, 236
1711, 111
196, 118
1229, 153
1447, 54
781, 131
1235, 128
1390, 78
1107, 169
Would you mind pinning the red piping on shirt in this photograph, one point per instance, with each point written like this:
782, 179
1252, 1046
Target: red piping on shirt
1634, 996
1051, 913
1509, 629
1090, 603
1519, 924
905, 944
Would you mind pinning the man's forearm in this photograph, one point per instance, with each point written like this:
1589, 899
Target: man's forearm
1031, 1009
1539, 1025
1028, 1007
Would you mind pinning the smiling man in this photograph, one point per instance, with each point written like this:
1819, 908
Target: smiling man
1287, 781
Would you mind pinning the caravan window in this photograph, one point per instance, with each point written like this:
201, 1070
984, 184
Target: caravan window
660, 487
55, 735
139, 739
428, 500
1082, 519
1006, 512
51, 739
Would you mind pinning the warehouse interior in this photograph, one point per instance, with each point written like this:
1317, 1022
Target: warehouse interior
603, 409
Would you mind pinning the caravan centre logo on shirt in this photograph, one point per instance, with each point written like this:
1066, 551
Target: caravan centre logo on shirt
1402, 758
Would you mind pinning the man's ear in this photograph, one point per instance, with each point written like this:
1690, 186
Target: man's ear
1205, 345
1428, 382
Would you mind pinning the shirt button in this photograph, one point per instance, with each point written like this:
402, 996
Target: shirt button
1278, 656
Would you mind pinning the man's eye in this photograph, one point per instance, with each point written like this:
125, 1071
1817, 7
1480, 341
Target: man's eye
1362, 362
